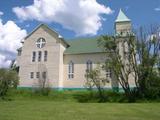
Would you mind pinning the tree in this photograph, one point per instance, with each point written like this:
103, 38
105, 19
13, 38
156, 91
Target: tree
94, 78
8, 79
120, 61
139, 57
42, 85
148, 54
13, 66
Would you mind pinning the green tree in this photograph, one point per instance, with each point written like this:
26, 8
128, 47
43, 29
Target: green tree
141, 59
121, 68
95, 79
8, 79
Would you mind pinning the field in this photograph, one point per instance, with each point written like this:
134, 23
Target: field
39, 108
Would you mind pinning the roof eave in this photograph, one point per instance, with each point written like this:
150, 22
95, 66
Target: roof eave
48, 29
117, 21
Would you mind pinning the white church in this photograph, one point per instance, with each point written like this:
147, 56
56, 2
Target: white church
63, 63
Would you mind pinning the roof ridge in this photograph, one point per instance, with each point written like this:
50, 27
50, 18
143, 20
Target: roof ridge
83, 38
50, 29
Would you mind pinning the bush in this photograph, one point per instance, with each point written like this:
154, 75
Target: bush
153, 87
116, 97
42, 91
8, 79
86, 96
93, 97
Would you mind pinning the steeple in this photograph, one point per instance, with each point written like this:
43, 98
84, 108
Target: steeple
122, 17
122, 24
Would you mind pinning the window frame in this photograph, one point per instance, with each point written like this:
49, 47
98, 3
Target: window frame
31, 75
71, 70
44, 75
39, 56
89, 65
41, 42
45, 55
37, 75
34, 56
19, 52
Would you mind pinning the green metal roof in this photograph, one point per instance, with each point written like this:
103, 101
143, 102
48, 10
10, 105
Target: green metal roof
122, 17
83, 45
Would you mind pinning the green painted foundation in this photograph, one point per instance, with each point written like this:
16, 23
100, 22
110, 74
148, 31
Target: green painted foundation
116, 89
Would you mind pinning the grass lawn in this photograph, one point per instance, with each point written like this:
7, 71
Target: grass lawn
62, 106
54, 110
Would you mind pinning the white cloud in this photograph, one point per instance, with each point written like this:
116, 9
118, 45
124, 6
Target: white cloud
1, 13
81, 16
4, 62
10, 37
157, 9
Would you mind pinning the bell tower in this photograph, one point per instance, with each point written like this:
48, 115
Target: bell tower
123, 30
122, 24
123, 33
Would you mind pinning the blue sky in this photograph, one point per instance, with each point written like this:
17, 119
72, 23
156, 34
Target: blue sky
141, 12
70, 18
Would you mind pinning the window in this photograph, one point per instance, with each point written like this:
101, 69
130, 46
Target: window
44, 75
32, 75
39, 56
45, 55
40, 42
108, 73
33, 56
89, 66
71, 70
37, 74
19, 52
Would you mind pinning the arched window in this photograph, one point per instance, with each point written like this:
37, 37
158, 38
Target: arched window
89, 66
71, 70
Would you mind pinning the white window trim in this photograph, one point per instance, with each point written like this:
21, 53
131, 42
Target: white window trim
89, 65
31, 75
33, 57
70, 70
45, 56
39, 56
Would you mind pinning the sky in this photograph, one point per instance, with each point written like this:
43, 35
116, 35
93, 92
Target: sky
70, 18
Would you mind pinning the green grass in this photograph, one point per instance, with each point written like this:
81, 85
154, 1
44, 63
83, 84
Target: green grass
51, 110
63, 106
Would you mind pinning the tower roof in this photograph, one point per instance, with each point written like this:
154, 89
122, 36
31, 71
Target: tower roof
122, 17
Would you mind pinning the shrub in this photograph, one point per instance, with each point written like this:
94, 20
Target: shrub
8, 79
42, 91
87, 97
116, 97
153, 87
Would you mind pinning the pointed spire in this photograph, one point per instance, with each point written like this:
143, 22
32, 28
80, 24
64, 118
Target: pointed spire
122, 17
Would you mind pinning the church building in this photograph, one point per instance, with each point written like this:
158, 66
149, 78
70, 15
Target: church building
63, 63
